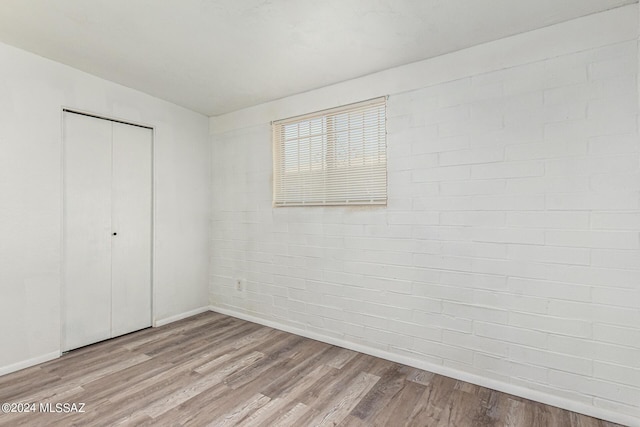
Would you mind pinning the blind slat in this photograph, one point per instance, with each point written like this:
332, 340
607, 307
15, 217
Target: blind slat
333, 157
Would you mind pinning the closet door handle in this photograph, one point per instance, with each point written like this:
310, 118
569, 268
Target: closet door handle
115, 234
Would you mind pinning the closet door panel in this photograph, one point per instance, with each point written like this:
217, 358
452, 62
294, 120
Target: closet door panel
131, 213
87, 231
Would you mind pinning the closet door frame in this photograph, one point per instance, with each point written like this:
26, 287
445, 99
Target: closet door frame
65, 110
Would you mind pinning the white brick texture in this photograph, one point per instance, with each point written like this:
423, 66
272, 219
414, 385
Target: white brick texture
510, 247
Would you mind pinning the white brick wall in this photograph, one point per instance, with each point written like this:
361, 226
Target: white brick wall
510, 247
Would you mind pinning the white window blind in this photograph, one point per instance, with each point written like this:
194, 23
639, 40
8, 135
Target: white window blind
332, 157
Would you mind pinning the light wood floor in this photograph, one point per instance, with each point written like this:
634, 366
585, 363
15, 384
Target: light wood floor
212, 369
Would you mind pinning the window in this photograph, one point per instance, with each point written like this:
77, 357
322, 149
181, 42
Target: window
332, 157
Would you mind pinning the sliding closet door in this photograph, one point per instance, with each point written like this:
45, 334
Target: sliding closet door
87, 231
131, 250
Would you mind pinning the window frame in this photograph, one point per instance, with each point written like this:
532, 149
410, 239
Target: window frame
328, 174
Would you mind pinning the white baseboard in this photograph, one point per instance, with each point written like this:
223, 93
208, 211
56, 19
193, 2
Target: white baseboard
180, 316
54, 355
526, 393
29, 363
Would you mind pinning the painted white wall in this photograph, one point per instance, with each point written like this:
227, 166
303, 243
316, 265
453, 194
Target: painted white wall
33, 91
509, 252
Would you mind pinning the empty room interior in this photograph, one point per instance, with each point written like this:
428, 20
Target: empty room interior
301, 213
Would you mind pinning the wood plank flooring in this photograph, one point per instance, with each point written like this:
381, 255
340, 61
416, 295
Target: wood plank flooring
212, 369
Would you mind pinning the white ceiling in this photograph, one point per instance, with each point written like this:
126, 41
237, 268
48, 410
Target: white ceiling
217, 56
